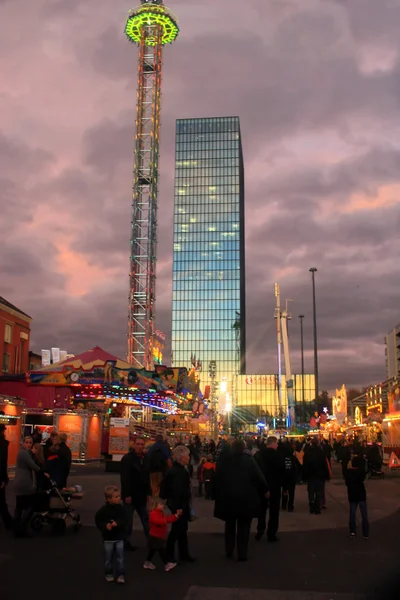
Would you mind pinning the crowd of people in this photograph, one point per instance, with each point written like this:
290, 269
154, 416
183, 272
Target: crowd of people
247, 479
40, 464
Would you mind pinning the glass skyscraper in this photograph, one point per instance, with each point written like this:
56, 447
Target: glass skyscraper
208, 301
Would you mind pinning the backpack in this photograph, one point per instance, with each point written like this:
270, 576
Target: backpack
157, 461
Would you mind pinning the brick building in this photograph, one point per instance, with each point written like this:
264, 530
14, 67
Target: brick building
15, 329
35, 361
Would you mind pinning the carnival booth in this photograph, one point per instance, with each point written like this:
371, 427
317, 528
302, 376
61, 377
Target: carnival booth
391, 424
100, 383
12, 416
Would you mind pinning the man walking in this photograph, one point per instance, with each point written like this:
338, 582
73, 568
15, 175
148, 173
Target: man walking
315, 473
159, 460
135, 487
4, 513
273, 469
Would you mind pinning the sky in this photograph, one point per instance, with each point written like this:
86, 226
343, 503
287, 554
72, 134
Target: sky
316, 84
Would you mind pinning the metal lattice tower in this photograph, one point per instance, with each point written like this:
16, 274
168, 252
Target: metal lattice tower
150, 26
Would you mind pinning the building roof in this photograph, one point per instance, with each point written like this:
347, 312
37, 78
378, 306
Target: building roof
9, 305
87, 360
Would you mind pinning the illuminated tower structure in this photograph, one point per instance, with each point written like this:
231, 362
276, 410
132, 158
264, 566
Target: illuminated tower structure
150, 26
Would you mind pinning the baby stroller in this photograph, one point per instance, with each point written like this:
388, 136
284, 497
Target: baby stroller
53, 508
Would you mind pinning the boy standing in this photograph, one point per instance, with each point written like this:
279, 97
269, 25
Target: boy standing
357, 496
112, 521
158, 535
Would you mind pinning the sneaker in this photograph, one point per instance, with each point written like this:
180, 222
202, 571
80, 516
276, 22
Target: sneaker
352, 535
170, 566
149, 565
366, 538
109, 578
121, 579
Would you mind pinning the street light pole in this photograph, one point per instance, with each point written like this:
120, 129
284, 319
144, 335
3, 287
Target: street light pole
303, 403
313, 270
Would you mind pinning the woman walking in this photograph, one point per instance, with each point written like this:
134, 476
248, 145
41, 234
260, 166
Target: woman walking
24, 487
176, 489
239, 487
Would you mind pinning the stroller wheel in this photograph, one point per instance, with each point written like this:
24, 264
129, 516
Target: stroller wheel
36, 523
59, 527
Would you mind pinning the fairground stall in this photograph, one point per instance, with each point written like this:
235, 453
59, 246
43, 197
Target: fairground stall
391, 424
12, 416
129, 401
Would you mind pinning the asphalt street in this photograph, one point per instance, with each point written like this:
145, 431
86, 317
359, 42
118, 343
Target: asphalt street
316, 561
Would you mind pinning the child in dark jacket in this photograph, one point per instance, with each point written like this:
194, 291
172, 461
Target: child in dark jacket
158, 522
112, 521
357, 496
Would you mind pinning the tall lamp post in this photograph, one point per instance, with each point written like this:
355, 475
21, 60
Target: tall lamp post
303, 403
313, 270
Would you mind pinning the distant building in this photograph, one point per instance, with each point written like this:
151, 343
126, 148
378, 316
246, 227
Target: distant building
15, 329
208, 293
256, 398
35, 361
392, 351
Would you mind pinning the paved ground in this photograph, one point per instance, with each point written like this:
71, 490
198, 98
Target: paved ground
314, 559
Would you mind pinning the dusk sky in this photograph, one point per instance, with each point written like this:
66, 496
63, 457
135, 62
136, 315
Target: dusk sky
316, 84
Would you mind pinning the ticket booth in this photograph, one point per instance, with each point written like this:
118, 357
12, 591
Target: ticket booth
84, 431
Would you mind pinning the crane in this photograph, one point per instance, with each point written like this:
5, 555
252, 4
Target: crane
282, 318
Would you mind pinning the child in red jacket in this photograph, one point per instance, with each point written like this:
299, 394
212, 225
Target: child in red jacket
158, 522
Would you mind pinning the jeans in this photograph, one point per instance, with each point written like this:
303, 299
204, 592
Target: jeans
364, 517
143, 516
315, 490
237, 530
114, 553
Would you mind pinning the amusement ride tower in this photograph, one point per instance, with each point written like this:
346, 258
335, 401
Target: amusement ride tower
150, 26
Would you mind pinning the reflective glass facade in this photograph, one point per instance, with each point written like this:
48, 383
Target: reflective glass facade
259, 394
208, 301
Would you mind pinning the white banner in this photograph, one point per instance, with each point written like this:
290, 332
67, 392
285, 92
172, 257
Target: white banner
63, 355
46, 359
55, 355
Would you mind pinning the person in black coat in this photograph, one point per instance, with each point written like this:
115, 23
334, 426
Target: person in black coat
135, 487
65, 455
315, 473
289, 477
344, 457
239, 488
273, 468
357, 495
4, 512
51, 441
176, 490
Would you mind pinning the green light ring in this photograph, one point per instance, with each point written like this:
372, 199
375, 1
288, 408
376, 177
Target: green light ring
155, 17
